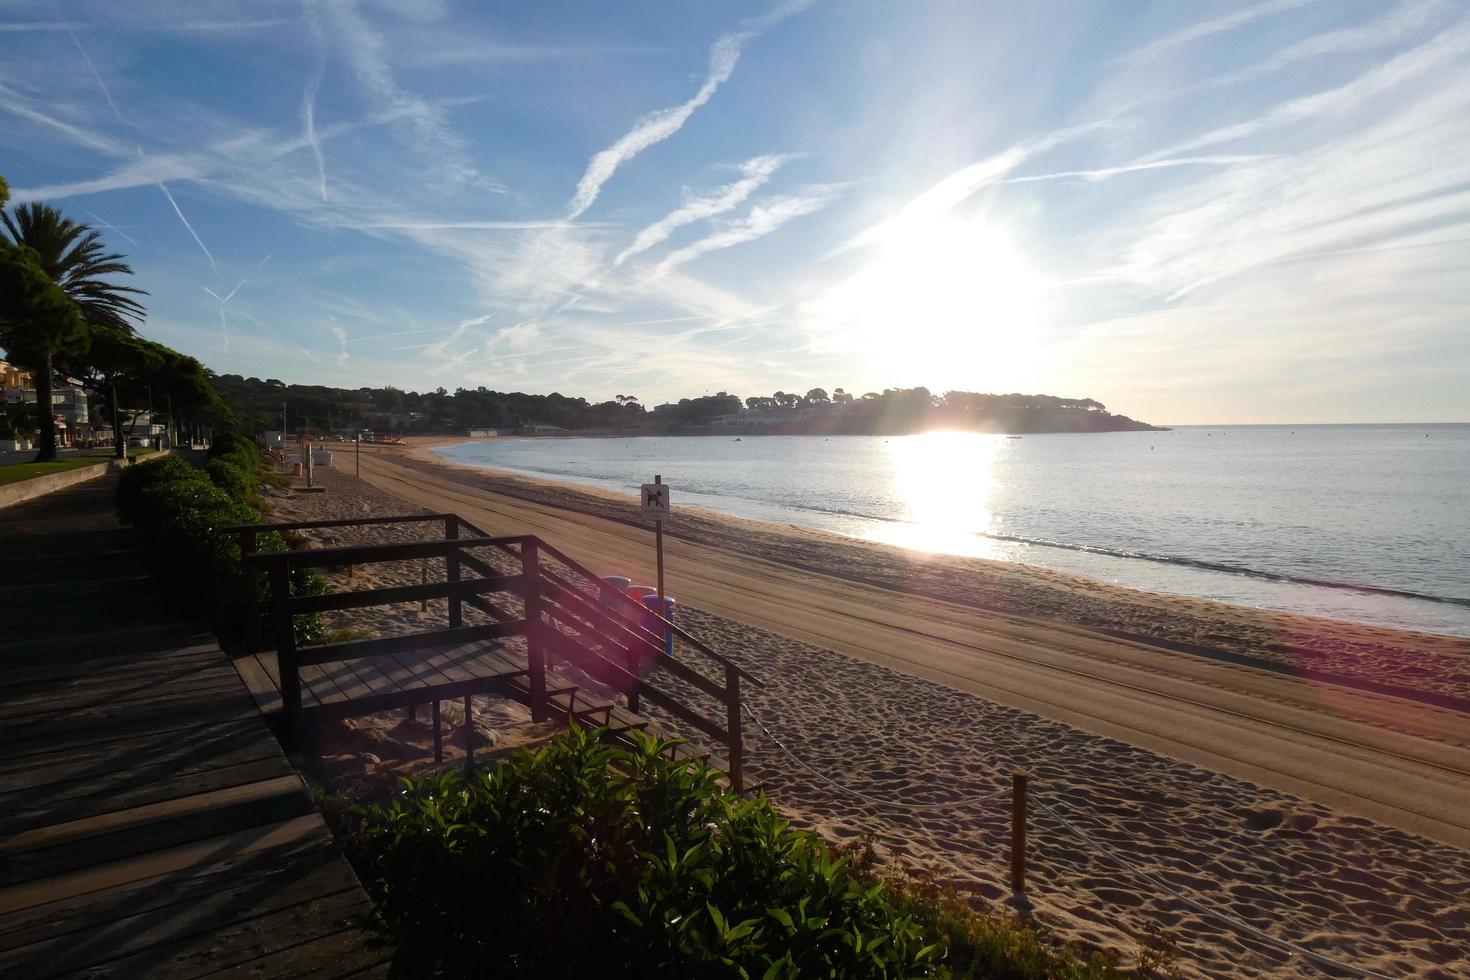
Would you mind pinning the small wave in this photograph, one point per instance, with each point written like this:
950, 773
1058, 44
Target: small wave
1201, 563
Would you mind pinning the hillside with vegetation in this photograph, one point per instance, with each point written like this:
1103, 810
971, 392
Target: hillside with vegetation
259, 405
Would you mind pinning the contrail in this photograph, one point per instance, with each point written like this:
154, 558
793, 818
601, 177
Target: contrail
224, 324
308, 116
88, 59
103, 222
185, 220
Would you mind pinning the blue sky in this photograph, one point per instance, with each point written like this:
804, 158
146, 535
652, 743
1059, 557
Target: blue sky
1194, 212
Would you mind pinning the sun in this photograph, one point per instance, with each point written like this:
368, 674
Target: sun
948, 302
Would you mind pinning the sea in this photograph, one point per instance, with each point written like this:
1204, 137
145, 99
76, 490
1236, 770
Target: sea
1368, 523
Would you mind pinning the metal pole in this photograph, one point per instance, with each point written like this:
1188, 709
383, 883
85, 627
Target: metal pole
359, 454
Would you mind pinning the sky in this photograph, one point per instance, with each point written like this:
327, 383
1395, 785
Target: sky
1194, 212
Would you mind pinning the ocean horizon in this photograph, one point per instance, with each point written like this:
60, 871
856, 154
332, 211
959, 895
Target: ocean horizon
1361, 522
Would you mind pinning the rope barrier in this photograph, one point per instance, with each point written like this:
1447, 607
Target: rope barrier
897, 804
1231, 920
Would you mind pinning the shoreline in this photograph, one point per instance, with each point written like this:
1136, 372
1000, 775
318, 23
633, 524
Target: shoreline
1284, 861
1433, 667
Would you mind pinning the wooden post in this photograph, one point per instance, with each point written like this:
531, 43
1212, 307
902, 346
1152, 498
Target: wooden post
732, 725
469, 734
280, 578
535, 651
658, 547
451, 571
249, 597
359, 454
1018, 831
438, 735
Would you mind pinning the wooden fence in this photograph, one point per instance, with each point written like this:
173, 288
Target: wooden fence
565, 611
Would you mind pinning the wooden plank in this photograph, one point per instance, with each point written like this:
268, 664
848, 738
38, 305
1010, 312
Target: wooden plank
260, 942
407, 642
110, 776
45, 810
70, 831
49, 764
321, 680
236, 846
251, 878
262, 687
168, 914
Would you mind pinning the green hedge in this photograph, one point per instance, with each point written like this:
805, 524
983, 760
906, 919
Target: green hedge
233, 442
186, 510
589, 860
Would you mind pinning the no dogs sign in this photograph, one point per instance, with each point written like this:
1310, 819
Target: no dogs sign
655, 500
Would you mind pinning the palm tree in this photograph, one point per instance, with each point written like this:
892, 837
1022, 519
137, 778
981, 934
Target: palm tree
73, 256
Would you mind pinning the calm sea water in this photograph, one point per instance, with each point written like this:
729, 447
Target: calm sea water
1366, 523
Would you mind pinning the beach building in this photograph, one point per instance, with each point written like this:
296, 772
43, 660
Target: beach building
539, 429
482, 433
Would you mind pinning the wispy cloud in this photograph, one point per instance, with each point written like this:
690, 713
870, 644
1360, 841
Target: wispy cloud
178, 211
438, 349
339, 23
37, 25
11, 101
341, 334
1219, 25
660, 125
762, 219
308, 126
753, 173
1103, 173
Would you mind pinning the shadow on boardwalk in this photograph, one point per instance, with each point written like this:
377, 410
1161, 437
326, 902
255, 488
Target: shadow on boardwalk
149, 823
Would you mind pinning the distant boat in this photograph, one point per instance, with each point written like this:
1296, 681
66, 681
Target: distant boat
738, 439
1015, 437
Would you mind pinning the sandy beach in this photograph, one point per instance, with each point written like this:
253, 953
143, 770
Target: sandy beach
1304, 778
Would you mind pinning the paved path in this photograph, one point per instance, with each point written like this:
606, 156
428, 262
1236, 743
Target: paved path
149, 823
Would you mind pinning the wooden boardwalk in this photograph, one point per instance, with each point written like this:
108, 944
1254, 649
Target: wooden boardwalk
149, 823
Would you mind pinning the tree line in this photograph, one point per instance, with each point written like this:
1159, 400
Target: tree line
64, 314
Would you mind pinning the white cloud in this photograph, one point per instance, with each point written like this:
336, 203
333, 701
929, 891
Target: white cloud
753, 173
660, 125
342, 355
762, 219
1203, 29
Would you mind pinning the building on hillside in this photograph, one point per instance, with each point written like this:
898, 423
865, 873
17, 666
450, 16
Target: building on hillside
482, 433
539, 429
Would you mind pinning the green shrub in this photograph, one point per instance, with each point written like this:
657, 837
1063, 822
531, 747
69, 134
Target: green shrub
187, 510
233, 442
134, 480
584, 859
226, 473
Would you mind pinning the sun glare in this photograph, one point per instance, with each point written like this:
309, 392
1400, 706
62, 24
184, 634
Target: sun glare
949, 302
945, 481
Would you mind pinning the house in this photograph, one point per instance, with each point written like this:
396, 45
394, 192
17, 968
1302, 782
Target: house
538, 429
68, 406
482, 433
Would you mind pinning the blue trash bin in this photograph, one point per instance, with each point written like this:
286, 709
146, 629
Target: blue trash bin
650, 602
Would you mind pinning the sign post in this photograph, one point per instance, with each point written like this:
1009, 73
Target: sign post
655, 504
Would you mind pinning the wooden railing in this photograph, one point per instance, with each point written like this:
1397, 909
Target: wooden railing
569, 614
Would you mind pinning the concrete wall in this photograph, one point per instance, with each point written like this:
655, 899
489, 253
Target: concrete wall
15, 493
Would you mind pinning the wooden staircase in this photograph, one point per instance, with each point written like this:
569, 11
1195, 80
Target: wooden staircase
591, 654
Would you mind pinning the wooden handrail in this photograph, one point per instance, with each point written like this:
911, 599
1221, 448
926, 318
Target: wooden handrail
362, 598
675, 628
607, 623
365, 554
342, 522
378, 646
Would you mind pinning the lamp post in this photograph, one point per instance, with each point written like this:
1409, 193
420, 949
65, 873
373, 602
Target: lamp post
149, 389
